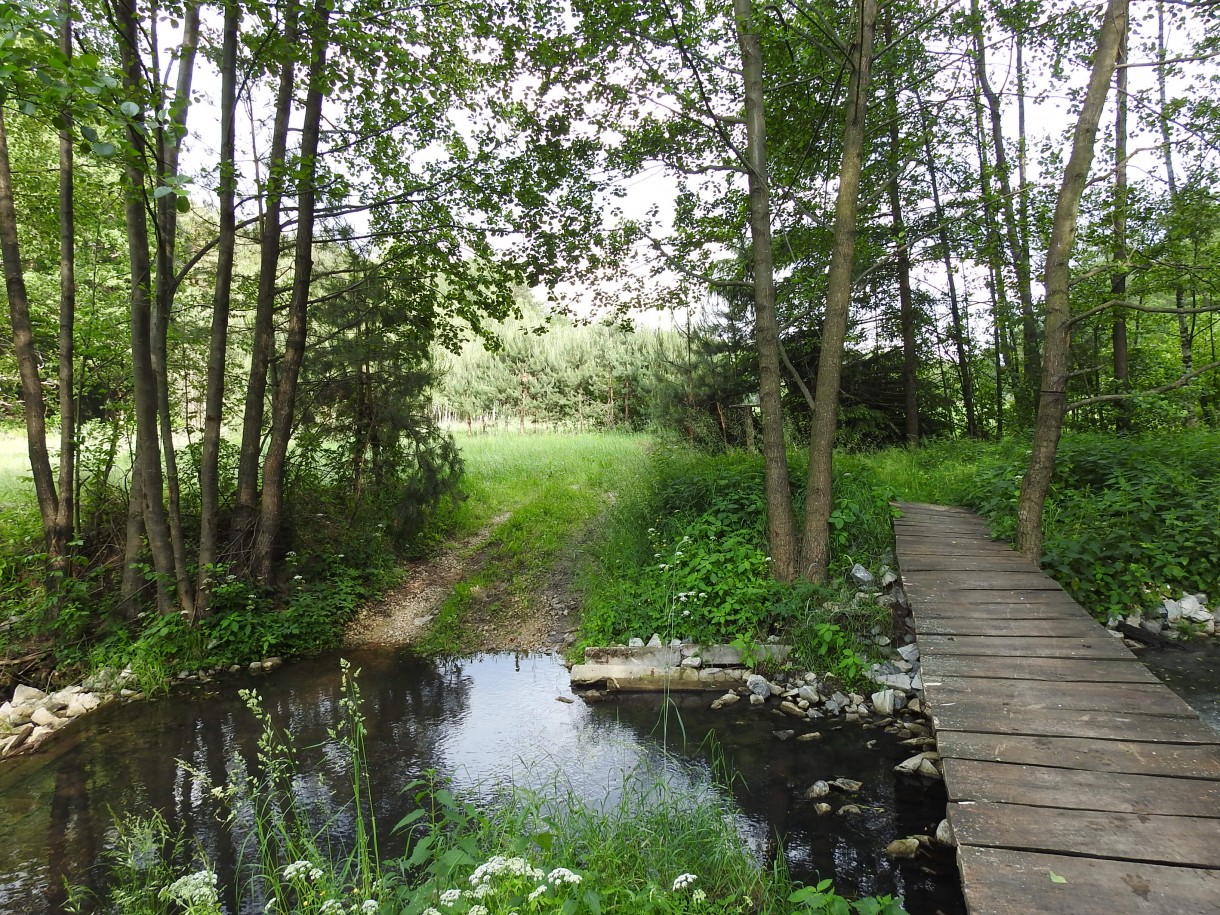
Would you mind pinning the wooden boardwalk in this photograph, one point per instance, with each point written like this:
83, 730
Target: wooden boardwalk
1077, 782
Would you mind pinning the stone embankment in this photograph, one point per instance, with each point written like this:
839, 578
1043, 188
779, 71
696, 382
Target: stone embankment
33, 716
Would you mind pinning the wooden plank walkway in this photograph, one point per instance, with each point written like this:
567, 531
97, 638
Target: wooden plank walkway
1077, 782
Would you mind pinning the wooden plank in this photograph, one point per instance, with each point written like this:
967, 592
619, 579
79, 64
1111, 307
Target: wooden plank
1102, 647
1074, 789
1031, 695
984, 717
1117, 670
1003, 882
1063, 610
947, 582
1190, 841
1079, 627
1182, 761
983, 596
1000, 562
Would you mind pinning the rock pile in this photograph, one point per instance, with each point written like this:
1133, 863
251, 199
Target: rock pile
31, 716
1172, 615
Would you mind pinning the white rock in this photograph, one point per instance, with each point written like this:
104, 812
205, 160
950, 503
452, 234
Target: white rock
726, 699
45, 718
821, 809
817, 789
861, 576
756, 699
883, 702
903, 848
917, 682
944, 833
1173, 610
635, 643
27, 695
694, 662
1189, 604
809, 694
910, 653
5, 710
655, 641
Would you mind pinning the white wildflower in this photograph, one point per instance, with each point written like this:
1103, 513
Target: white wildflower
331, 907
478, 910
198, 888
563, 875
369, 907
449, 897
430, 911
480, 891
684, 880
302, 869
698, 896
536, 893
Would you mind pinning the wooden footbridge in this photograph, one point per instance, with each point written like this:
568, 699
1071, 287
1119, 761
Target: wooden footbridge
1077, 782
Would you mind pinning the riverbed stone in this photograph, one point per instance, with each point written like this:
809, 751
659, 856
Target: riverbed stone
903, 848
791, 708
861, 576
727, 699
44, 717
784, 734
944, 833
27, 695
758, 685
818, 789
809, 694
849, 810
848, 785
756, 699
909, 653
821, 808
810, 737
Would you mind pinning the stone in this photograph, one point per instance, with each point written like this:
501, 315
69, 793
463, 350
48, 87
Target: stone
725, 700
944, 833
1155, 626
45, 718
861, 576
817, 789
916, 706
6, 709
756, 699
849, 809
928, 769
917, 683
809, 694
272, 663
888, 576
256, 667
783, 735
694, 662
791, 708
849, 785
836, 703
675, 643
635, 643
758, 685
903, 848
895, 680
821, 808
27, 695
909, 653
18, 738
811, 736
1193, 610
1173, 609
655, 641
881, 640
883, 702
914, 764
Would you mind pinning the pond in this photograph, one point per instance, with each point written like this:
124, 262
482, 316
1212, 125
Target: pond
485, 722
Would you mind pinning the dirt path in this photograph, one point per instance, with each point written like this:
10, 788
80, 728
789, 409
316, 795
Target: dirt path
547, 619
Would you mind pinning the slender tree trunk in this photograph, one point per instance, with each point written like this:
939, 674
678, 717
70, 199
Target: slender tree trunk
148, 451
65, 514
166, 215
1017, 251
284, 403
264, 315
209, 471
1118, 279
902, 264
964, 373
1053, 402
815, 548
133, 576
34, 406
781, 522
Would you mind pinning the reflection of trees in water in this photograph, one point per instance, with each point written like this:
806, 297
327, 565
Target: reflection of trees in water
126, 764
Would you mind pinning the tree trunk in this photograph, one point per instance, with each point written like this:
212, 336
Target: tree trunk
61, 536
1053, 399
264, 315
148, 451
166, 214
1017, 251
34, 406
284, 402
1118, 279
815, 549
781, 523
902, 264
964, 372
209, 471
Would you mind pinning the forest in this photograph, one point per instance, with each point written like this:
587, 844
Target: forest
264, 260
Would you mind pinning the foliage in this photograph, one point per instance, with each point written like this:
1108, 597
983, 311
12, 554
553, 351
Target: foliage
659, 849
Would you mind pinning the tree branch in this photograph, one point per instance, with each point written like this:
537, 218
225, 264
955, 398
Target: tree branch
1178, 383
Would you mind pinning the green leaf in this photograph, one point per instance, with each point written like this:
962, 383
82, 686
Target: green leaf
131, 109
183, 205
105, 150
161, 191
1055, 878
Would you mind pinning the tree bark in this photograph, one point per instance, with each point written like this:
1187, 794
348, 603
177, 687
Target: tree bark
781, 523
209, 470
264, 326
61, 536
148, 451
1118, 279
1017, 251
271, 512
166, 214
34, 406
815, 548
1053, 397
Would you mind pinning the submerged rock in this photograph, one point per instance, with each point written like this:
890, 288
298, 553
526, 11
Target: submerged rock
817, 789
903, 848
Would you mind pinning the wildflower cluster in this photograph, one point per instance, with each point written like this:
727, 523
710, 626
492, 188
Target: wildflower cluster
195, 892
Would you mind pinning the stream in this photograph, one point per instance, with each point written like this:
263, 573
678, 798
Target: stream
485, 722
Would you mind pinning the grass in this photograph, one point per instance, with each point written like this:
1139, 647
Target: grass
539, 491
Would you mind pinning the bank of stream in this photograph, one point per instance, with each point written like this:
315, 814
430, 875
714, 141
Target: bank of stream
485, 722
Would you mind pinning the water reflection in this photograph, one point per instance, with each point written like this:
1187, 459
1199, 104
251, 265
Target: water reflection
487, 722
